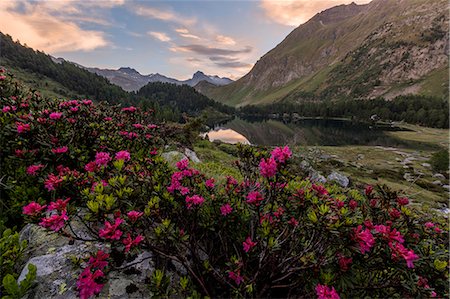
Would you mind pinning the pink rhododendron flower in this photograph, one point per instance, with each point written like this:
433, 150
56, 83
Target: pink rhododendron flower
236, 277
52, 182
138, 126
33, 209
2, 78
368, 190
55, 115
184, 190
398, 250
102, 158
210, 183
194, 200
91, 166
54, 222
107, 119
226, 209
87, 102
59, 205
129, 242
123, 155
60, 150
364, 238
87, 285
129, 109
388, 234
111, 231
353, 204
293, 221
22, 128
429, 224
325, 292
321, 190
394, 213
183, 164
268, 167
438, 230
33, 169
402, 201
281, 154
134, 215
254, 198
344, 262
6, 109
99, 261
248, 244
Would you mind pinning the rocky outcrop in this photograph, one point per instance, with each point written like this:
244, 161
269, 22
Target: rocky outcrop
55, 257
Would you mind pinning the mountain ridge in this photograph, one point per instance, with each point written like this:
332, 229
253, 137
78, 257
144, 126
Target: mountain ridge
335, 46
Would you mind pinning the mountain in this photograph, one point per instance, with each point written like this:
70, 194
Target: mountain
385, 49
131, 80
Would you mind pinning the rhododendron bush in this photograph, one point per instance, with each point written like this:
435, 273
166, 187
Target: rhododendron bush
273, 234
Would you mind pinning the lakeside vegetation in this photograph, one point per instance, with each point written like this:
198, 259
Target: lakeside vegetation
69, 161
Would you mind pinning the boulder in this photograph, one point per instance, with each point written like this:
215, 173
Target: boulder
339, 178
56, 277
191, 155
439, 176
173, 156
316, 177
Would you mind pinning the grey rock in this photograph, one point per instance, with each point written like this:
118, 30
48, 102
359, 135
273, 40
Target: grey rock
316, 177
304, 165
339, 178
427, 165
191, 155
446, 187
173, 156
408, 177
439, 176
437, 182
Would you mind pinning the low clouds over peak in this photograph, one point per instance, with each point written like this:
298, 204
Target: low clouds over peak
296, 12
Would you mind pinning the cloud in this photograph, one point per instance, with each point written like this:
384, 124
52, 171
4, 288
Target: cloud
296, 12
160, 36
183, 32
163, 15
35, 24
207, 50
223, 58
225, 40
234, 65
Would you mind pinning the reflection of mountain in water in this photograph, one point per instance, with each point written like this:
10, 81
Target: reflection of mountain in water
227, 136
313, 132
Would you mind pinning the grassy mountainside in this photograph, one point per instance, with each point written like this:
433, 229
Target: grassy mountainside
385, 48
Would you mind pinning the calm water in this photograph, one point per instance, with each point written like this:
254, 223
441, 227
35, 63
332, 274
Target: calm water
304, 132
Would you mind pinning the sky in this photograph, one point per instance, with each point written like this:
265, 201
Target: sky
174, 38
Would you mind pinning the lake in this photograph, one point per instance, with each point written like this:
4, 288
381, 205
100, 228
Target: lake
326, 132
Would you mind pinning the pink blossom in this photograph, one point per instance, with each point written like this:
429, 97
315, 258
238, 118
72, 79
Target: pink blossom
344, 262
429, 224
129, 109
22, 128
438, 230
281, 154
87, 285
87, 102
102, 158
364, 238
123, 155
2, 78
152, 126
6, 109
107, 119
210, 183
398, 250
321, 190
134, 215
91, 166
368, 190
183, 164
353, 204
52, 182
59, 205
33, 169
324, 292
388, 234
402, 201
184, 190
33, 209
226, 209
74, 109
394, 213
268, 167
55, 115
138, 126
129, 242
194, 200
236, 277
55, 222
99, 261
254, 198
60, 150
111, 231
293, 221
248, 244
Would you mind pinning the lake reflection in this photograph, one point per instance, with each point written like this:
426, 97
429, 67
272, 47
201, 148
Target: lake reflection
227, 136
304, 132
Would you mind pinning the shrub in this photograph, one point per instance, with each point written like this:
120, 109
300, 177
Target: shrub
270, 234
440, 161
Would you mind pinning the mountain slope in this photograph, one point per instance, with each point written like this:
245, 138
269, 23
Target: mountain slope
384, 48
